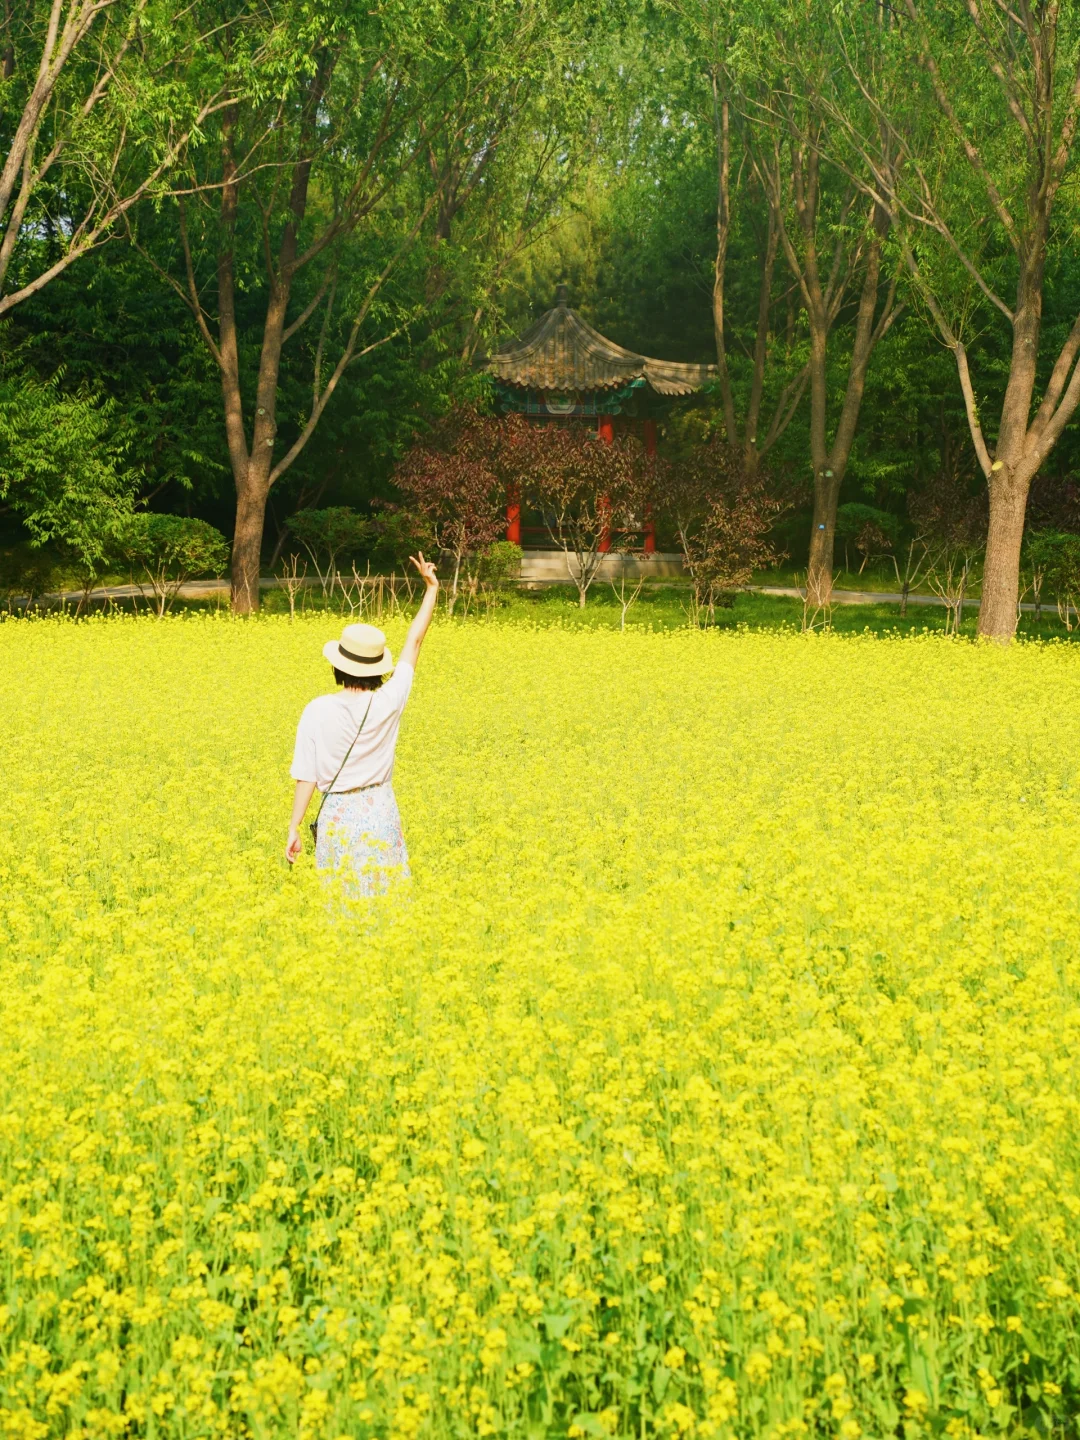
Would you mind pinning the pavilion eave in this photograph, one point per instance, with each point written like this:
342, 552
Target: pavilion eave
562, 353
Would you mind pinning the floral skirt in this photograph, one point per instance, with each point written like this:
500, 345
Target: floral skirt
360, 839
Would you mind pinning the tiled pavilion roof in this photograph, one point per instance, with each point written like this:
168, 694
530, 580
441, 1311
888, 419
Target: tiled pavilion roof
562, 352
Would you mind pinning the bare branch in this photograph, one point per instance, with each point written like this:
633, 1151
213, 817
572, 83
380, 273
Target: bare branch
890, 314
954, 343
305, 315
785, 409
1007, 80
975, 159
193, 290
100, 217
1058, 377
348, 353
1066, 409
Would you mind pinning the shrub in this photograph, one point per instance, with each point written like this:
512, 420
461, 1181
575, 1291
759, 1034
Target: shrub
723, 519
171, 549
499, 563
873, 532
1054, 557
451, 486
330, 534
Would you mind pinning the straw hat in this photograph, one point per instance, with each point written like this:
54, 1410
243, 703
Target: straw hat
360, 651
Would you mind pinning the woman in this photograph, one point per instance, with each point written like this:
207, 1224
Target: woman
345, 748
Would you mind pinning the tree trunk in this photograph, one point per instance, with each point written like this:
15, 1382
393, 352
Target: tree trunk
1001, 572
1018, 452
822, 537
722, 135
751, 454
247, 545
829, 470
748, 439
826, 486
452, 598
252, 468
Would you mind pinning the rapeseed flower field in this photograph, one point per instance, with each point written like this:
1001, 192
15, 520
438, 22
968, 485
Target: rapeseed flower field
716, 1075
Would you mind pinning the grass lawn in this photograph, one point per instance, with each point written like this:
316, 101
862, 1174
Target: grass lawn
875, 577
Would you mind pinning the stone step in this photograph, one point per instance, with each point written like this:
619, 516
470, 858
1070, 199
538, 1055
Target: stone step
548, 567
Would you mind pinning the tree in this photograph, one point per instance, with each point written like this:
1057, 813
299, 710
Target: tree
329, 533
315, 213
451, 481
961, 117
115, 335
873, 532
25, 573
590, 492
94, 123
831, 248
62, 470
498, 181
397, 533
835, 249
1054, 558
953, 521
170, 550
722, 516
754, 418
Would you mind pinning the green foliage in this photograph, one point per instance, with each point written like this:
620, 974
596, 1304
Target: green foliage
331, 532
62, 467
98, 104
563, 145
182, 547
331, 537
500, 562
1056, 555
397, 534
117, 332
416, 146
853, 517
171, 549
25, 573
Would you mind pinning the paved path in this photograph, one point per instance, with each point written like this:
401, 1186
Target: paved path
856, 597
192, 590
880, 597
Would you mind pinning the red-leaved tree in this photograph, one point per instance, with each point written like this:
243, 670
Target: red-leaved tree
721, 515
451, 481
590, 492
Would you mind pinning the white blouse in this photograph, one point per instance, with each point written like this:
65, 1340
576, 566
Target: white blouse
329, 724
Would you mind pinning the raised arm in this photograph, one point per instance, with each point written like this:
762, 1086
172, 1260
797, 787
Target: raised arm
410, 651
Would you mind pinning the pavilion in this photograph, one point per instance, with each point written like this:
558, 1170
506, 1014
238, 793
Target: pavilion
563, 369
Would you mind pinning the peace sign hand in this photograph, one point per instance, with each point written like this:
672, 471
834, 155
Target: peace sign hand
426, 569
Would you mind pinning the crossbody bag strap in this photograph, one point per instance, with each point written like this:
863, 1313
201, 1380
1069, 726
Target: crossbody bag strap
341, 767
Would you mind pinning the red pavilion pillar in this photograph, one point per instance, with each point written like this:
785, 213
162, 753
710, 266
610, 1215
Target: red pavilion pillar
605, 428
648, 430
513, 515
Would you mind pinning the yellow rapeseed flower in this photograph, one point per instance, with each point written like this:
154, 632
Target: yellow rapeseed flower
715, 1075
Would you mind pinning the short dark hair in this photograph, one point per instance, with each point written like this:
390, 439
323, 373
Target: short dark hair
358, 682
